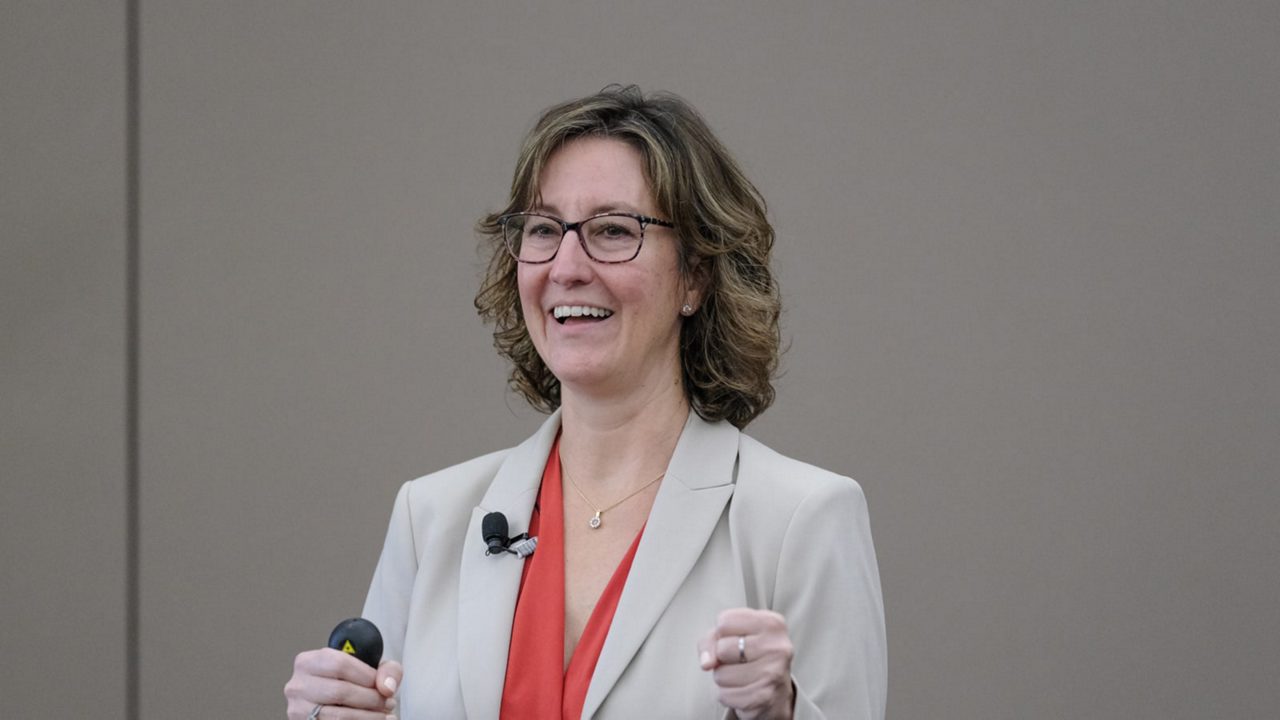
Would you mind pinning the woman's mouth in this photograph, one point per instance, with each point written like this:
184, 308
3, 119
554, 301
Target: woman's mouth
564, 313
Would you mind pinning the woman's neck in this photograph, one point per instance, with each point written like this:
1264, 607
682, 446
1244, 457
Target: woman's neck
611, 445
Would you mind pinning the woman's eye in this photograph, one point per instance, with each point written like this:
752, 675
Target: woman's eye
614, 231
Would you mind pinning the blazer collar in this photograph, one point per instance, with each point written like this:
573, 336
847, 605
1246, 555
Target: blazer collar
688, 506
689, 503
488, 585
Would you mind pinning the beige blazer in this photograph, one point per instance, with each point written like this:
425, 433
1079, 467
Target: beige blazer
734, 524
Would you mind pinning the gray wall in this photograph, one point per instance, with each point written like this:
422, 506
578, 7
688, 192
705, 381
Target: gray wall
62, 360
1028, 253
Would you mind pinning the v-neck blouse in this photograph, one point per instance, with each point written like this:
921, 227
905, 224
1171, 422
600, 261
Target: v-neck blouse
537, 683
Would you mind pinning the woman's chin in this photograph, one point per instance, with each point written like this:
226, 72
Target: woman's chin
587, 378
584, 380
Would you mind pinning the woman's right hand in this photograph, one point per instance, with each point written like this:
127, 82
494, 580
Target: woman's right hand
343, 686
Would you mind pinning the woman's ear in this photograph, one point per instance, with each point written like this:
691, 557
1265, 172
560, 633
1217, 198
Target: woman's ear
697, 282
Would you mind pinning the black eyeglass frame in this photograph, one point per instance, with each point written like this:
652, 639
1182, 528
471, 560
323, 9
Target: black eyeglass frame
566, 226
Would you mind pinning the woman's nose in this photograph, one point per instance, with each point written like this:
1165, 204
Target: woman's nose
571, 263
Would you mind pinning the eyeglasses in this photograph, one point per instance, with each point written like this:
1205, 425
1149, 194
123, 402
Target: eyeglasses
606, 238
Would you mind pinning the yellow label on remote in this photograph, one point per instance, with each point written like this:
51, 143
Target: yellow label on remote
347, 648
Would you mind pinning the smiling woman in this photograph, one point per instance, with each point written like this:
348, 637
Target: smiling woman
729, 348
601, 326
629, 285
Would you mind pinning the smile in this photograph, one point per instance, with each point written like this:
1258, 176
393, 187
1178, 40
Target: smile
564, 312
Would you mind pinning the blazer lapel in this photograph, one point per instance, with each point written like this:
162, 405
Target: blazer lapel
688, 506
489, 585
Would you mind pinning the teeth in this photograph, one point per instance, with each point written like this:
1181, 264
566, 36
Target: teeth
565, 311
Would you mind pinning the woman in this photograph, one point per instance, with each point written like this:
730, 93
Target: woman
682, 568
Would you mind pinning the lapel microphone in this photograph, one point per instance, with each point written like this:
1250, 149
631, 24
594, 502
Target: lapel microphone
494, 529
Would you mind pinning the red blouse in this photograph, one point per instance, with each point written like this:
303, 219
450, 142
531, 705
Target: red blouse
538, 685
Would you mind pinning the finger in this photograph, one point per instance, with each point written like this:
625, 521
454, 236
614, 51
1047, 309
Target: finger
302, 709
739, 649
330, 663
743, 690
748, 697
319, 679
735, 676
771, 647
305, 690
707, 650
746, 621
327, 691
329, 712
389, 675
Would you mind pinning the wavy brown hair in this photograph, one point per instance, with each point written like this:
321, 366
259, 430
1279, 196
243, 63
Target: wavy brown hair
729, 346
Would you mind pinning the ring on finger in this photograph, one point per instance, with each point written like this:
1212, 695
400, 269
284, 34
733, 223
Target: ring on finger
315, 713
742, 648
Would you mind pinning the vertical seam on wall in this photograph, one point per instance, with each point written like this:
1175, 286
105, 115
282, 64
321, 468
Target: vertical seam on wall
132, 316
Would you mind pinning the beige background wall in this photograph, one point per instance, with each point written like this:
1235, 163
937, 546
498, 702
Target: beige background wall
1028, 251
63, 278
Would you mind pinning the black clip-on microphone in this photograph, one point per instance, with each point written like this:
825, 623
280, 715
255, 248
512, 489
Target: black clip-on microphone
494, 529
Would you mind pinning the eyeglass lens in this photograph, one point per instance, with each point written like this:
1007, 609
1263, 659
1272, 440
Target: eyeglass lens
608, 238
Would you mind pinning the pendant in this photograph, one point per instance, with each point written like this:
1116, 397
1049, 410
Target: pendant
595, 521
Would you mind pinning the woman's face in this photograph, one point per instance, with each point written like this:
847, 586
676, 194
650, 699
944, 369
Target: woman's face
635, 345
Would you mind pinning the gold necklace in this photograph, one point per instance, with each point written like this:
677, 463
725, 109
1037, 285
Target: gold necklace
595, 520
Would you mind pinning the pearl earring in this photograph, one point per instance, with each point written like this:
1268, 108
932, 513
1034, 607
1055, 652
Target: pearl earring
686, 310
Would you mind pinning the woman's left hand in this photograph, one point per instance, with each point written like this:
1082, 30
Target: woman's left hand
749, 654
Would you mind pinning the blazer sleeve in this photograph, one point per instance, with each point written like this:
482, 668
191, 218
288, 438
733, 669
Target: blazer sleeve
387, 604
828, 589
